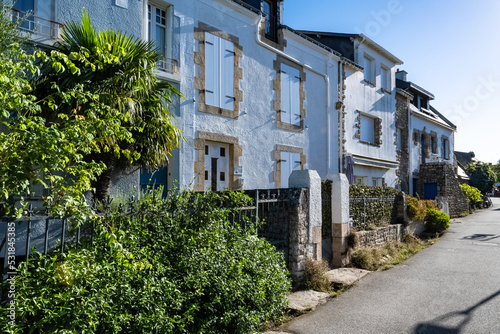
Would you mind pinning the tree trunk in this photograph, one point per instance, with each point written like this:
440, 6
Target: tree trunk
104, 181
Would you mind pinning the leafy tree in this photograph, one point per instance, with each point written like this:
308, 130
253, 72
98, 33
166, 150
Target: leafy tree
481, 176
496, 170
33, 151
473, 195
72, 116
119, 72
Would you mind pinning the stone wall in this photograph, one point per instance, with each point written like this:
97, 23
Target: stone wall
380, 236
448, 186
403, 154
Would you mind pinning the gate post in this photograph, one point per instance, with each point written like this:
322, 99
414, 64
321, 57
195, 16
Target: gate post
305, 231
340, 220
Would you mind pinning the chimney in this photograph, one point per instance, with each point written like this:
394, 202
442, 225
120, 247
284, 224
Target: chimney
401, 75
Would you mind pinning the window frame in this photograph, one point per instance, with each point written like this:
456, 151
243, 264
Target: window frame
386, 85
277, 157
377, 129
150, 31
284, 118
369, 74
200, 59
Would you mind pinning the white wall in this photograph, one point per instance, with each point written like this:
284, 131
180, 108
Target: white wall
256, 125
361, 96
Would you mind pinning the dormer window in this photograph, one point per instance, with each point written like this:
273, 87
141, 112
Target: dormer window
269, 9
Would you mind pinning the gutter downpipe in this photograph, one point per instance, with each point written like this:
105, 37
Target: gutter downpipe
309, 68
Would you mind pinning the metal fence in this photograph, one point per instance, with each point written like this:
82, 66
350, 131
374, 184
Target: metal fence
273, 208
37, 228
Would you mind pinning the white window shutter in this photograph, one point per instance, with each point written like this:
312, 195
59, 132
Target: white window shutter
285, 168
295, 161
367, 129
212, 69
227, 75
285, 94
295, 96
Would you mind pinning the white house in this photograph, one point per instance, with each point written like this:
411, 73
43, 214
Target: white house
367, 108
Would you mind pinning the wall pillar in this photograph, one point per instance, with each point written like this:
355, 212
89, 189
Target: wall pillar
340, 220
305, 235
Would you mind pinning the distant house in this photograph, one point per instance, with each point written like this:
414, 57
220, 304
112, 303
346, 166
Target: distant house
425, 141
368, 107
463, 159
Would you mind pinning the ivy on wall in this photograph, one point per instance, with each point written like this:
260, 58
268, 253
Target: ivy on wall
371, 206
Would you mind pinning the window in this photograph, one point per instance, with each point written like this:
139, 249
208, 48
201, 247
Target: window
218, 75
385, 79
445, 150
160, 31
369, 71
219, 72
42, 21
289, 162
377, 181
288, 159
367, 127
434, 143
359, 180
290, 95
271, 20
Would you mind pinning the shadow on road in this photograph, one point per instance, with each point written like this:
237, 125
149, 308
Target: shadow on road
437, 326
482, 237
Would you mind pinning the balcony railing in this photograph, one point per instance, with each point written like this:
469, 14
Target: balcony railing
168, 65
37, 25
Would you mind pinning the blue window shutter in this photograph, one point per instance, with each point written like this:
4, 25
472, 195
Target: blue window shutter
285, 168
212, 69
227, 75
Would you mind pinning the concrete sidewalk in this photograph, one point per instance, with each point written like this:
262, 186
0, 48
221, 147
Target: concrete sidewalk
450, 287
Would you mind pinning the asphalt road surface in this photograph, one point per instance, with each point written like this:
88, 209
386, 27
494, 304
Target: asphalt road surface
450, 287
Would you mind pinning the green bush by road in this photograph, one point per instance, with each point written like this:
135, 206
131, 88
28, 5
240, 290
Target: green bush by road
180, 267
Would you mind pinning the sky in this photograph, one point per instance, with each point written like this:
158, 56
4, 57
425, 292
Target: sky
450, 48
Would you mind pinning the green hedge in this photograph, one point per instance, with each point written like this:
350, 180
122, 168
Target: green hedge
180, 267
373, 210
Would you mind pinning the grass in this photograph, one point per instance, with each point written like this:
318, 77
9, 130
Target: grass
386, 257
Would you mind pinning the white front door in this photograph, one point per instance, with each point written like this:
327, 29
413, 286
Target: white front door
289, 163
216, 166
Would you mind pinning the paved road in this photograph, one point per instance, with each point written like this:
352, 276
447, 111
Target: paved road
451, 287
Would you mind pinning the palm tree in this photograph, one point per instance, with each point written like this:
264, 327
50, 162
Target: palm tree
118, 73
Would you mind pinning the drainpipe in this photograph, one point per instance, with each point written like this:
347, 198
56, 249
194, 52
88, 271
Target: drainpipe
145, 20
410, 134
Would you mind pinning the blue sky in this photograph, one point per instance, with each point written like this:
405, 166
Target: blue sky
450, 48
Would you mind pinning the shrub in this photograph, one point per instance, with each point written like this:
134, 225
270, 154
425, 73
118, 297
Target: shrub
179, 267
436, 221
417, 208
473, 195
316, 277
